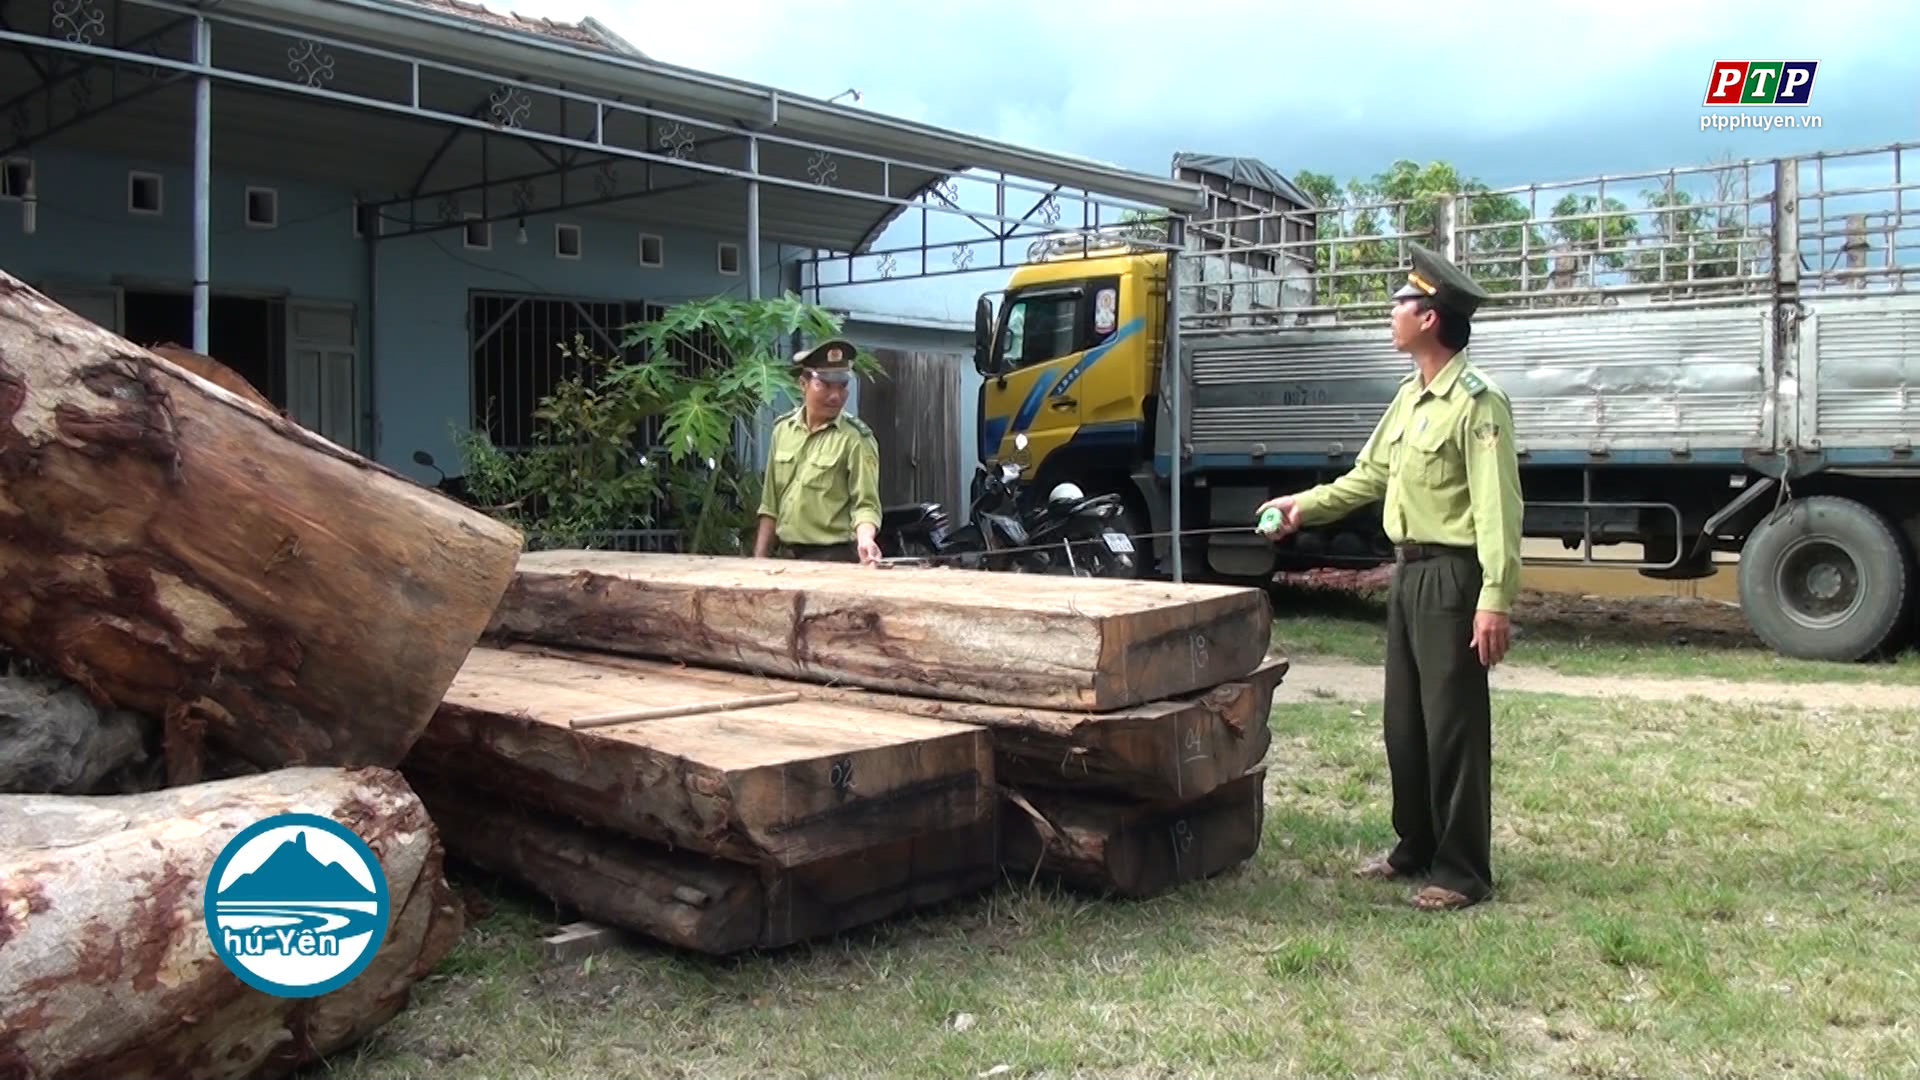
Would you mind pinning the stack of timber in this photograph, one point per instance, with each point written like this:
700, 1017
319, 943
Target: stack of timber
1127, 720
656, 803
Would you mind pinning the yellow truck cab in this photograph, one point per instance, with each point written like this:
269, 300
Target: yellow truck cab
1071, 360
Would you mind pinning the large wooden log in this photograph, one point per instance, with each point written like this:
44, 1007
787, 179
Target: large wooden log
175, 550
106, 968
701, 903
779, 784
1134, 850
1163, 751
1006, 639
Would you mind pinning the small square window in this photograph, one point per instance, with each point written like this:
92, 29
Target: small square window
145, 193
479, 233
263, 208
730, 258
653, 250
16, 178
566, 241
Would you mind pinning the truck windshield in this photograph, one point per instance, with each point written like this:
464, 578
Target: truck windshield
1040, 326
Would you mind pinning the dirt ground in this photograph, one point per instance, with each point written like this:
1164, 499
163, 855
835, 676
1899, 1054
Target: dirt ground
1646, 620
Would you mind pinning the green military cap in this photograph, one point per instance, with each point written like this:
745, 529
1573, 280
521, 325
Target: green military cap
831, 360
1433, 276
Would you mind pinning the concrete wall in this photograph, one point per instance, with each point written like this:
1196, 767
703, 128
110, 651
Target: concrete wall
412, 336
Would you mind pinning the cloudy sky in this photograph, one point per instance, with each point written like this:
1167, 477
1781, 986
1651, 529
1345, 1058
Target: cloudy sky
1507, 93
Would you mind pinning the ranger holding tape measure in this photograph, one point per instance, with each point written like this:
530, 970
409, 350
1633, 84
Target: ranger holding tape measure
1442, 464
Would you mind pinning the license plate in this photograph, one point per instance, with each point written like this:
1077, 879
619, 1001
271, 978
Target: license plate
1118, 542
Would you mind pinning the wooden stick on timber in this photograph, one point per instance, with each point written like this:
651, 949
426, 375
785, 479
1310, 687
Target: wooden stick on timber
663, 712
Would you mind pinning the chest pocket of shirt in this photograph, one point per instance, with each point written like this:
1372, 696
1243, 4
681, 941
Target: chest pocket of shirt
784, 461
1428, 458
816, 473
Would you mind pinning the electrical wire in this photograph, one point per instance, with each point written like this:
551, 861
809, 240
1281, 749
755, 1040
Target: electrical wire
921, 560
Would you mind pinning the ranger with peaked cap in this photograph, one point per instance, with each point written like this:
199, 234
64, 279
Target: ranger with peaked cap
820, 497
1443, 466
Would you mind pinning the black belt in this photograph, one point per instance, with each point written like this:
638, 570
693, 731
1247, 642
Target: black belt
1417, 552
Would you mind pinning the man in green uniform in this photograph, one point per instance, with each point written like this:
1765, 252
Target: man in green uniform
820, 497
1442, 461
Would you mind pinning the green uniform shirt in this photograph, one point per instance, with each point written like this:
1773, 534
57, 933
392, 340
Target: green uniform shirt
1443, 460
820, 485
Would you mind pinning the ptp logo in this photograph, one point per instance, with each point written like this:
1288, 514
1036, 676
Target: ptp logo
1761, 82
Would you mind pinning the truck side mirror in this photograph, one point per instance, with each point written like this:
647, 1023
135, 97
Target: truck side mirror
982, 335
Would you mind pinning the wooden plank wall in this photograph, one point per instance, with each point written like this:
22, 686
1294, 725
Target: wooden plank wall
914, 412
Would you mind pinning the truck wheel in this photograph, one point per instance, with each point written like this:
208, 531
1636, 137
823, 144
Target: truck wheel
1825, 578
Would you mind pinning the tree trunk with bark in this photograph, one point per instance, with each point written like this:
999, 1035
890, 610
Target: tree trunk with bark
175, 550
1003, 639
777, 784
106, 967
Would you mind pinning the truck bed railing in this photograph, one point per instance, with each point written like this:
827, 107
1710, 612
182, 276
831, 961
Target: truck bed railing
1708, 234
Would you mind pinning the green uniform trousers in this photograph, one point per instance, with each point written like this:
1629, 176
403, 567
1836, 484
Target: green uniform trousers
1438, 721
847, 552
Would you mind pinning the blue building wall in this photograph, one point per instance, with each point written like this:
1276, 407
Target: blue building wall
412, 335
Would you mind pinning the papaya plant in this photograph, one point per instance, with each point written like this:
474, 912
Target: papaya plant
648, 440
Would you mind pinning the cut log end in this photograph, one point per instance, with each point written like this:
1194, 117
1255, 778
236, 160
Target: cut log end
1116, 847
159, 545
114, 974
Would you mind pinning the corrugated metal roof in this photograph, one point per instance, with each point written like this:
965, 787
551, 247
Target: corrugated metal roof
1245, 170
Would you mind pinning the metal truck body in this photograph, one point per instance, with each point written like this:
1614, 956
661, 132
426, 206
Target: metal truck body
1734, 372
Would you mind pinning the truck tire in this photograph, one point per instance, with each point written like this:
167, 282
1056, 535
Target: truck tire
1826, 578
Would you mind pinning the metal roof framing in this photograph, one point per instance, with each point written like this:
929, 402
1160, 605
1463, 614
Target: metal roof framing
832, 177
710, 153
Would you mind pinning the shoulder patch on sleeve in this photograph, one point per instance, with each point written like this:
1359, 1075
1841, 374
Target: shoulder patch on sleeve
1487, 434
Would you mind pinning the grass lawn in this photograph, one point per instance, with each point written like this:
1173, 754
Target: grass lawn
1686, 892
1645, 638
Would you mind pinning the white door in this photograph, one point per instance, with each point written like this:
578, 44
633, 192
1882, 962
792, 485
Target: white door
97, 303
323, 370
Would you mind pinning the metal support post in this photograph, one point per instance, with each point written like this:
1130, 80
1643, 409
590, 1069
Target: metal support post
753, 219
202, 180
1177, 234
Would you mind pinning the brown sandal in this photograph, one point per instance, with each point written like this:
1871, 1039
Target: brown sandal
1440, 898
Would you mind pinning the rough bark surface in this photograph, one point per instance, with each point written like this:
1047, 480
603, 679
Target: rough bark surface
1133, 850
53, 741
113, 974
781, 784
1004, 639
177, 551
1162, 751
696, 902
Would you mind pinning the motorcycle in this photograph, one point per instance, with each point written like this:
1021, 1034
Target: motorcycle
1077, 524
914, 530
454, 487
1068, 533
